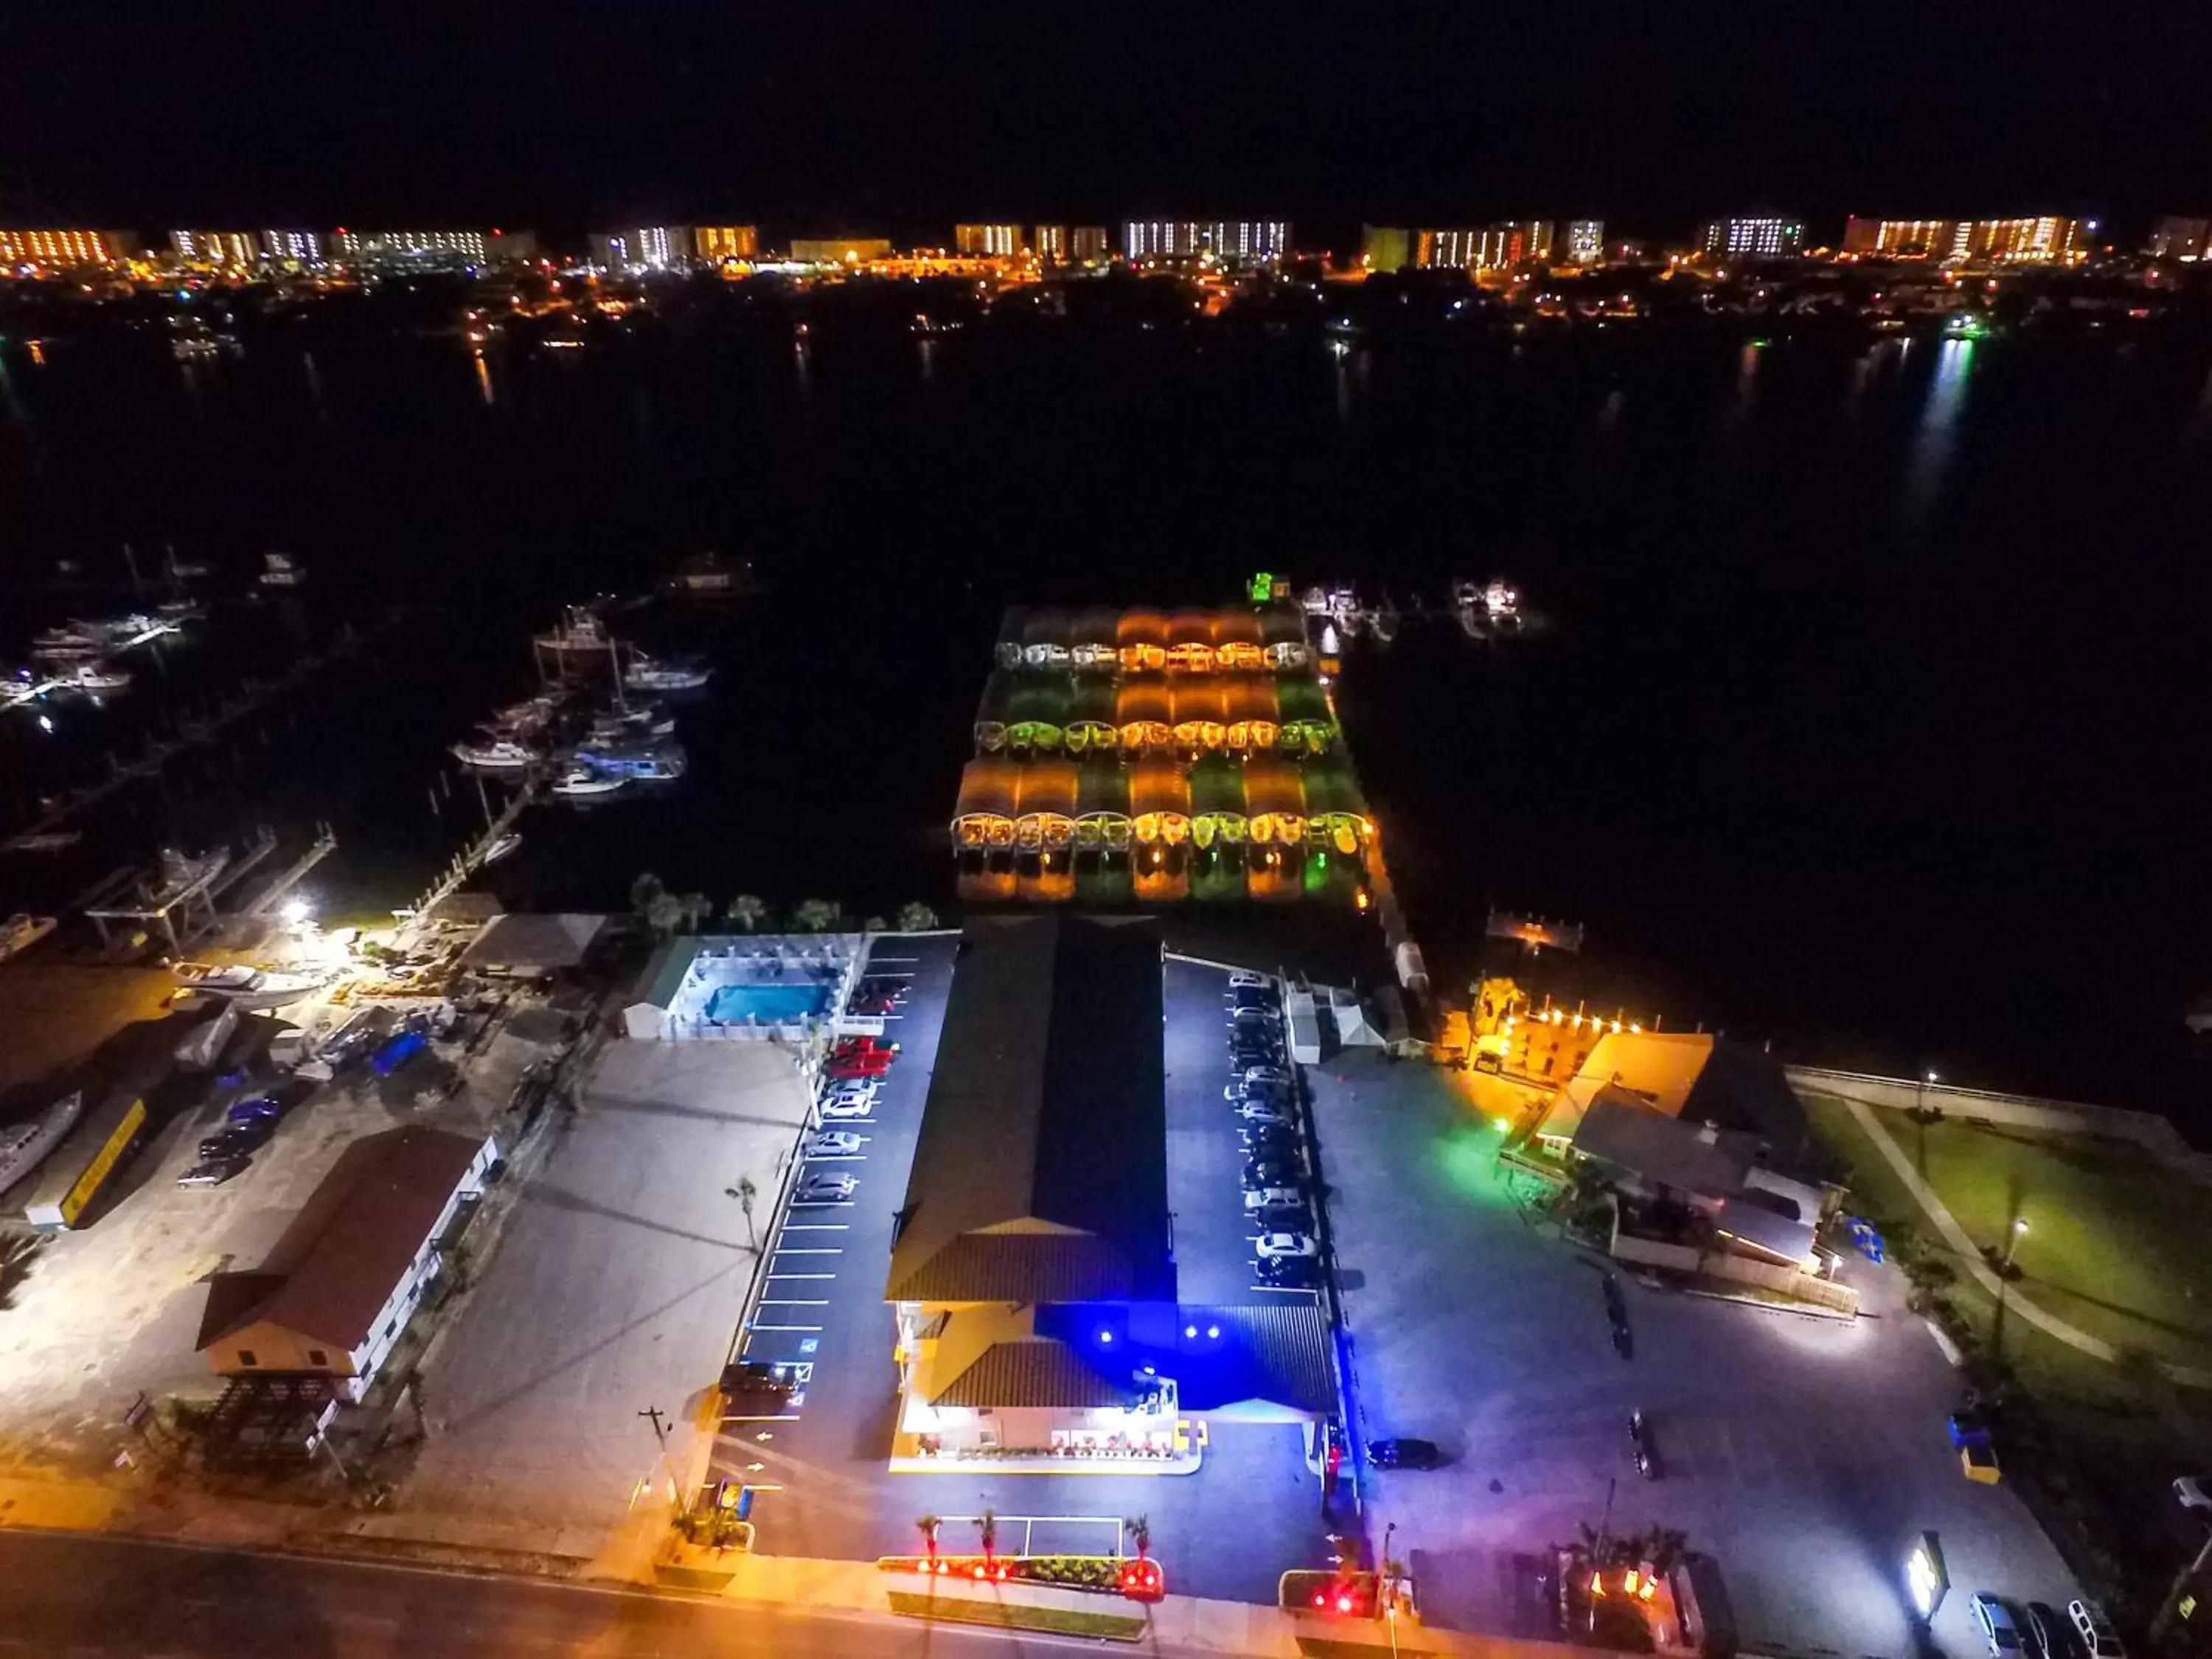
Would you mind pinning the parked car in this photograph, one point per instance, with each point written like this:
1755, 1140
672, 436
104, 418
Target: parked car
1239, 978
892, 990
1259, 1111
823, 1187
838, 1106
1260, 1138
2094, 1629
1269, 1170
1646, 1448
1253, 996
1287, 1273
872, 1004
1269, 1074
238, 1139
1994, 1621
1265, 1196
832, 1142
214, 1171
255, 1109
1270, 1244
1249, 1056
1399, 1454
2049, 1636
865, 1088
1281, 1217
861, 1045
852, 1065
1277, 1092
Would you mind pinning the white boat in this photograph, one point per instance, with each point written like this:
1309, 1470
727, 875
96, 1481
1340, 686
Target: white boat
201, 1050
644, 674
580, 629
94, 677
1493, 608
500, 755
24, 1146
662, 760
279, 570
22, 931
246, 987
500, 848
581, 781
618, 724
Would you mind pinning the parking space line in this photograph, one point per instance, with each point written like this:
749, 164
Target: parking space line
793, 1302
829, 1250
817, 1227
787, 1327
802, 1275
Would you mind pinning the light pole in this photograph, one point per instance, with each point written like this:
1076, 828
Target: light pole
2019, 1227
1920, 1092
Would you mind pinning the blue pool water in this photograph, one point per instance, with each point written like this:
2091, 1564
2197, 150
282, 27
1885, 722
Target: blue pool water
771, 1005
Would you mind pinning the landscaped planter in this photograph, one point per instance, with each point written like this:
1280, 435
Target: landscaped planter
1108, 1575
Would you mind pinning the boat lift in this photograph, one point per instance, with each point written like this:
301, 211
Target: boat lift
141, 903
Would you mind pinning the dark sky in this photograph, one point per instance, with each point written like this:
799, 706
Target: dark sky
904, 114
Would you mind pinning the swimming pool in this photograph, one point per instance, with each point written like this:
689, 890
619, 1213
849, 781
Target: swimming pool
787, 1004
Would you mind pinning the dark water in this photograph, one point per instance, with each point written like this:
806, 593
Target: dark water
1870, 716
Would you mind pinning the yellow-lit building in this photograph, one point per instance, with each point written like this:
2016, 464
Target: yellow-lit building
235, 249
295, 247
1050, 243
1089, 245
720, 242
2046, 240
64, 249
988, 241
840, 251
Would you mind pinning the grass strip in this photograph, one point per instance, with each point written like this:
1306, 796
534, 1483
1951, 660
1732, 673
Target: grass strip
1008, 1616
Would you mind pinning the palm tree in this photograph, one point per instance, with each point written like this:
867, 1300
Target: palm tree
749, 910
697, 907
875, 925
915, 917
987, 1528
816, 915
929, 1524
644, 888
663, 912
1140, 1533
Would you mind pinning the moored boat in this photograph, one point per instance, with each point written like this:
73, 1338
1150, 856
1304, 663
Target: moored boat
22, 931
24, 1146
645, 674
499, 754
581, 781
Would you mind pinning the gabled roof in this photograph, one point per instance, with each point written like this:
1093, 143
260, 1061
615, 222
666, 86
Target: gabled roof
1662, 1066
1041, 1171
1659, 1148
1035, 1371
1278, 1354
396, 1185
533, 941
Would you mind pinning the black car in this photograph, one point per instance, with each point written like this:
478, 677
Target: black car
1253, 996
1272, 1169
1645, 1447
1248, 1051
1287, 1273
1269, 1140
2049, 1635
214, 1171
237, 1140
1404, 1455
1281, 1218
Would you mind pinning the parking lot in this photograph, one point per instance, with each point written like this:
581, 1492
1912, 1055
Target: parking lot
1227, 1531
1799, 1454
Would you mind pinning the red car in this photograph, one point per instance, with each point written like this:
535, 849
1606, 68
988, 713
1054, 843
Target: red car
861, 1045
862, 1065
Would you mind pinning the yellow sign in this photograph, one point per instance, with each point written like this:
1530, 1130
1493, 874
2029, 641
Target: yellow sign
103, 1163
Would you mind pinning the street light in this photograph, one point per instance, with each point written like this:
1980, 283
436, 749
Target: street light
2019, 1227
1920, 1092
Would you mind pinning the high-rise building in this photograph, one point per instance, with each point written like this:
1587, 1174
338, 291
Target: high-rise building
719, 242
1900, 238
1758, 238
1088, 245
1488, 248
219, 250
658, 247
840, 251
1250, 241
986, 241
294, 247
433, 250
2178, 238
64, 249
1385, 247
1586, 241
2046, 241
1049, 242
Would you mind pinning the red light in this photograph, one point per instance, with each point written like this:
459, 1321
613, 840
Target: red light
979, 1573
1344, 1603
1321, 1598
1001, 1573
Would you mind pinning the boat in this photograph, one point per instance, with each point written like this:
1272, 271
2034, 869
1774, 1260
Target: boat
580, 629
644, 720
94, 677
707, 576
23, 1146
661, 761
582, 780
245, 986
500, 755
201, 1050
280, 571
22, 931
500, 848
644, 674
43, 840
1493, 608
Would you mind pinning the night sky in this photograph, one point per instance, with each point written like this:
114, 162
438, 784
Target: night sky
901, 115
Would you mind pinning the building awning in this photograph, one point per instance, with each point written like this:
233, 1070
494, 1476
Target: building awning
1037, 1372
1765, 1231
533, 941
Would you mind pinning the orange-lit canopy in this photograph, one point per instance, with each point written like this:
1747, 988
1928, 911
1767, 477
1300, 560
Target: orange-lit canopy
1274, 799
1160, 801
1249, 706
989, 789
1101, 803
1141, 709
1236, 628
1197, 712
1046, 814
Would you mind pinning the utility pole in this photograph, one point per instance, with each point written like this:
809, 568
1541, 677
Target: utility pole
652, 1413
746, 1193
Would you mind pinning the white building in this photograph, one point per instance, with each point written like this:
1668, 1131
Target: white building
1730, 238
386, 1209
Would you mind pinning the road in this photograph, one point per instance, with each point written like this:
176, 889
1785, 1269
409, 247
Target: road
88, 1596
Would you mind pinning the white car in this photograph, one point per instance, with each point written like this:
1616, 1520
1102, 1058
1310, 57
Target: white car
820, 1188
1266, 1075
1267, 1198
851, 1091
847, 1106
1260, 1111
832, 1142
1270, 1245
